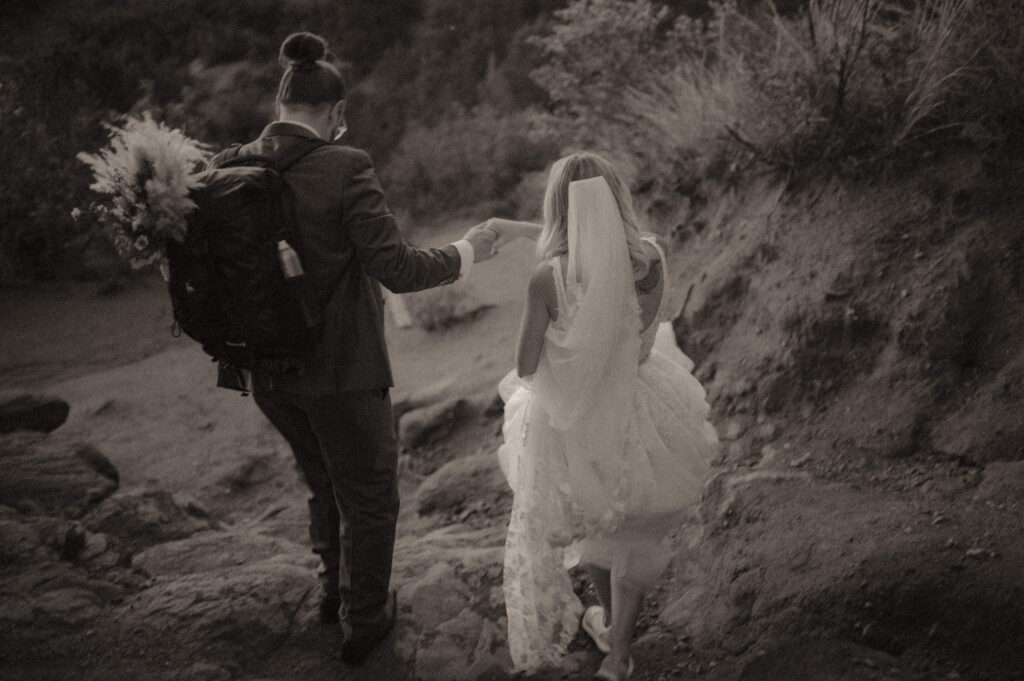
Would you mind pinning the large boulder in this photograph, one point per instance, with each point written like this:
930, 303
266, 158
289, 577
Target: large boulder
53, 478
32, 412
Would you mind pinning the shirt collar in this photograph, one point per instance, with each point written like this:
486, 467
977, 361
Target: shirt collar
292, 128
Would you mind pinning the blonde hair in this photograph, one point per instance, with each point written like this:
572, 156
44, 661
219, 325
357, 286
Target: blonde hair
554, 237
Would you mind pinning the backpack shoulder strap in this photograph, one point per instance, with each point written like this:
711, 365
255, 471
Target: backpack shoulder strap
225, 156
296, 153
281, 163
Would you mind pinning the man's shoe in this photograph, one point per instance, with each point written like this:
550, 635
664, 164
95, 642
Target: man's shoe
363, 639
329, 606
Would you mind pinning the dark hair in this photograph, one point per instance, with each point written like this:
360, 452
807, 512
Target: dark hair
311, 76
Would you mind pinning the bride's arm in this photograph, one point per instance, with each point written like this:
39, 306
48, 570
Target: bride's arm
541, 307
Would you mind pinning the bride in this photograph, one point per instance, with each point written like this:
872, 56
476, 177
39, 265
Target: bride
606, 437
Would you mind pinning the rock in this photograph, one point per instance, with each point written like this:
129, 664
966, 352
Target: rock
682, 609
989, 426
743, 386
72, 606
941, 326
32, 412
800, 460
734, 429
738, 451
249, 473
888, 423
216, 550
464, 647
425, 424
138, 518
233, 611
421, 397
27, 539
469, 481
444, 306
1001, 483
57, 594
766, 432
204, 671
53, 478
437, 597
722, 493
769, 456
445, 571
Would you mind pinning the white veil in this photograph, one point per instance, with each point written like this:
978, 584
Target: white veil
587, 377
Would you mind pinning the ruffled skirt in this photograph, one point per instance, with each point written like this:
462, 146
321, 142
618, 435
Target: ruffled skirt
666, 460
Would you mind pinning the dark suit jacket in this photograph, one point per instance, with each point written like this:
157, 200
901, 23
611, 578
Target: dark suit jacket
350, 242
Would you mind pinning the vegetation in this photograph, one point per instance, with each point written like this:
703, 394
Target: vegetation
467, 102
844, 85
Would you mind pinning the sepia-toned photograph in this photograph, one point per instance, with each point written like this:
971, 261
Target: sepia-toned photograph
531, 340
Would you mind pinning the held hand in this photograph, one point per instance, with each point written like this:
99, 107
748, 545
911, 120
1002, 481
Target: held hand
510, 230
483, 238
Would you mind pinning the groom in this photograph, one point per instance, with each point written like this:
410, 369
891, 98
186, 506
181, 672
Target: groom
336, 415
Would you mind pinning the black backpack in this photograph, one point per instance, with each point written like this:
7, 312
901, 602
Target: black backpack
228, 289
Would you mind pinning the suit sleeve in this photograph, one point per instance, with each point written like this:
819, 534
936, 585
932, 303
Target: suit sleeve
377, 240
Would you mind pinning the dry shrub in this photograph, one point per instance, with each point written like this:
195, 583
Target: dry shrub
938, 34
468, 157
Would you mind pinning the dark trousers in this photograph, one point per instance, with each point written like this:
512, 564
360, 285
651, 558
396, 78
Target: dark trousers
346, 449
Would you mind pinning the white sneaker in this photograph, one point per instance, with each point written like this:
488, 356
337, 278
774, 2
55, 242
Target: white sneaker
593, 624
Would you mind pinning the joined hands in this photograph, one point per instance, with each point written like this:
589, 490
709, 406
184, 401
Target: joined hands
491, 235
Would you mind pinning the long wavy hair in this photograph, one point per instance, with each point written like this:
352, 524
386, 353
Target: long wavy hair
554, 238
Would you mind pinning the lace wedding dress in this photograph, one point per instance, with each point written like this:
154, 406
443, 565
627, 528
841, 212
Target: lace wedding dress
605, 446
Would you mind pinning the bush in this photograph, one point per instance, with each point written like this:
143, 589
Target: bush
468, 157
845, 84
451, 54
596, 51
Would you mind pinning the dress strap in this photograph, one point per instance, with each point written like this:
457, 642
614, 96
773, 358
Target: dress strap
563, 298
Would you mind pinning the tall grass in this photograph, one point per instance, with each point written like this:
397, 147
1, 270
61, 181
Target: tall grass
942, 49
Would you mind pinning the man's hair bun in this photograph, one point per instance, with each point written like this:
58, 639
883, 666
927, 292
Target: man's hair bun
302, 49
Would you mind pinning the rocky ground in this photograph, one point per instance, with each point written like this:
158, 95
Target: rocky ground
861, 346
